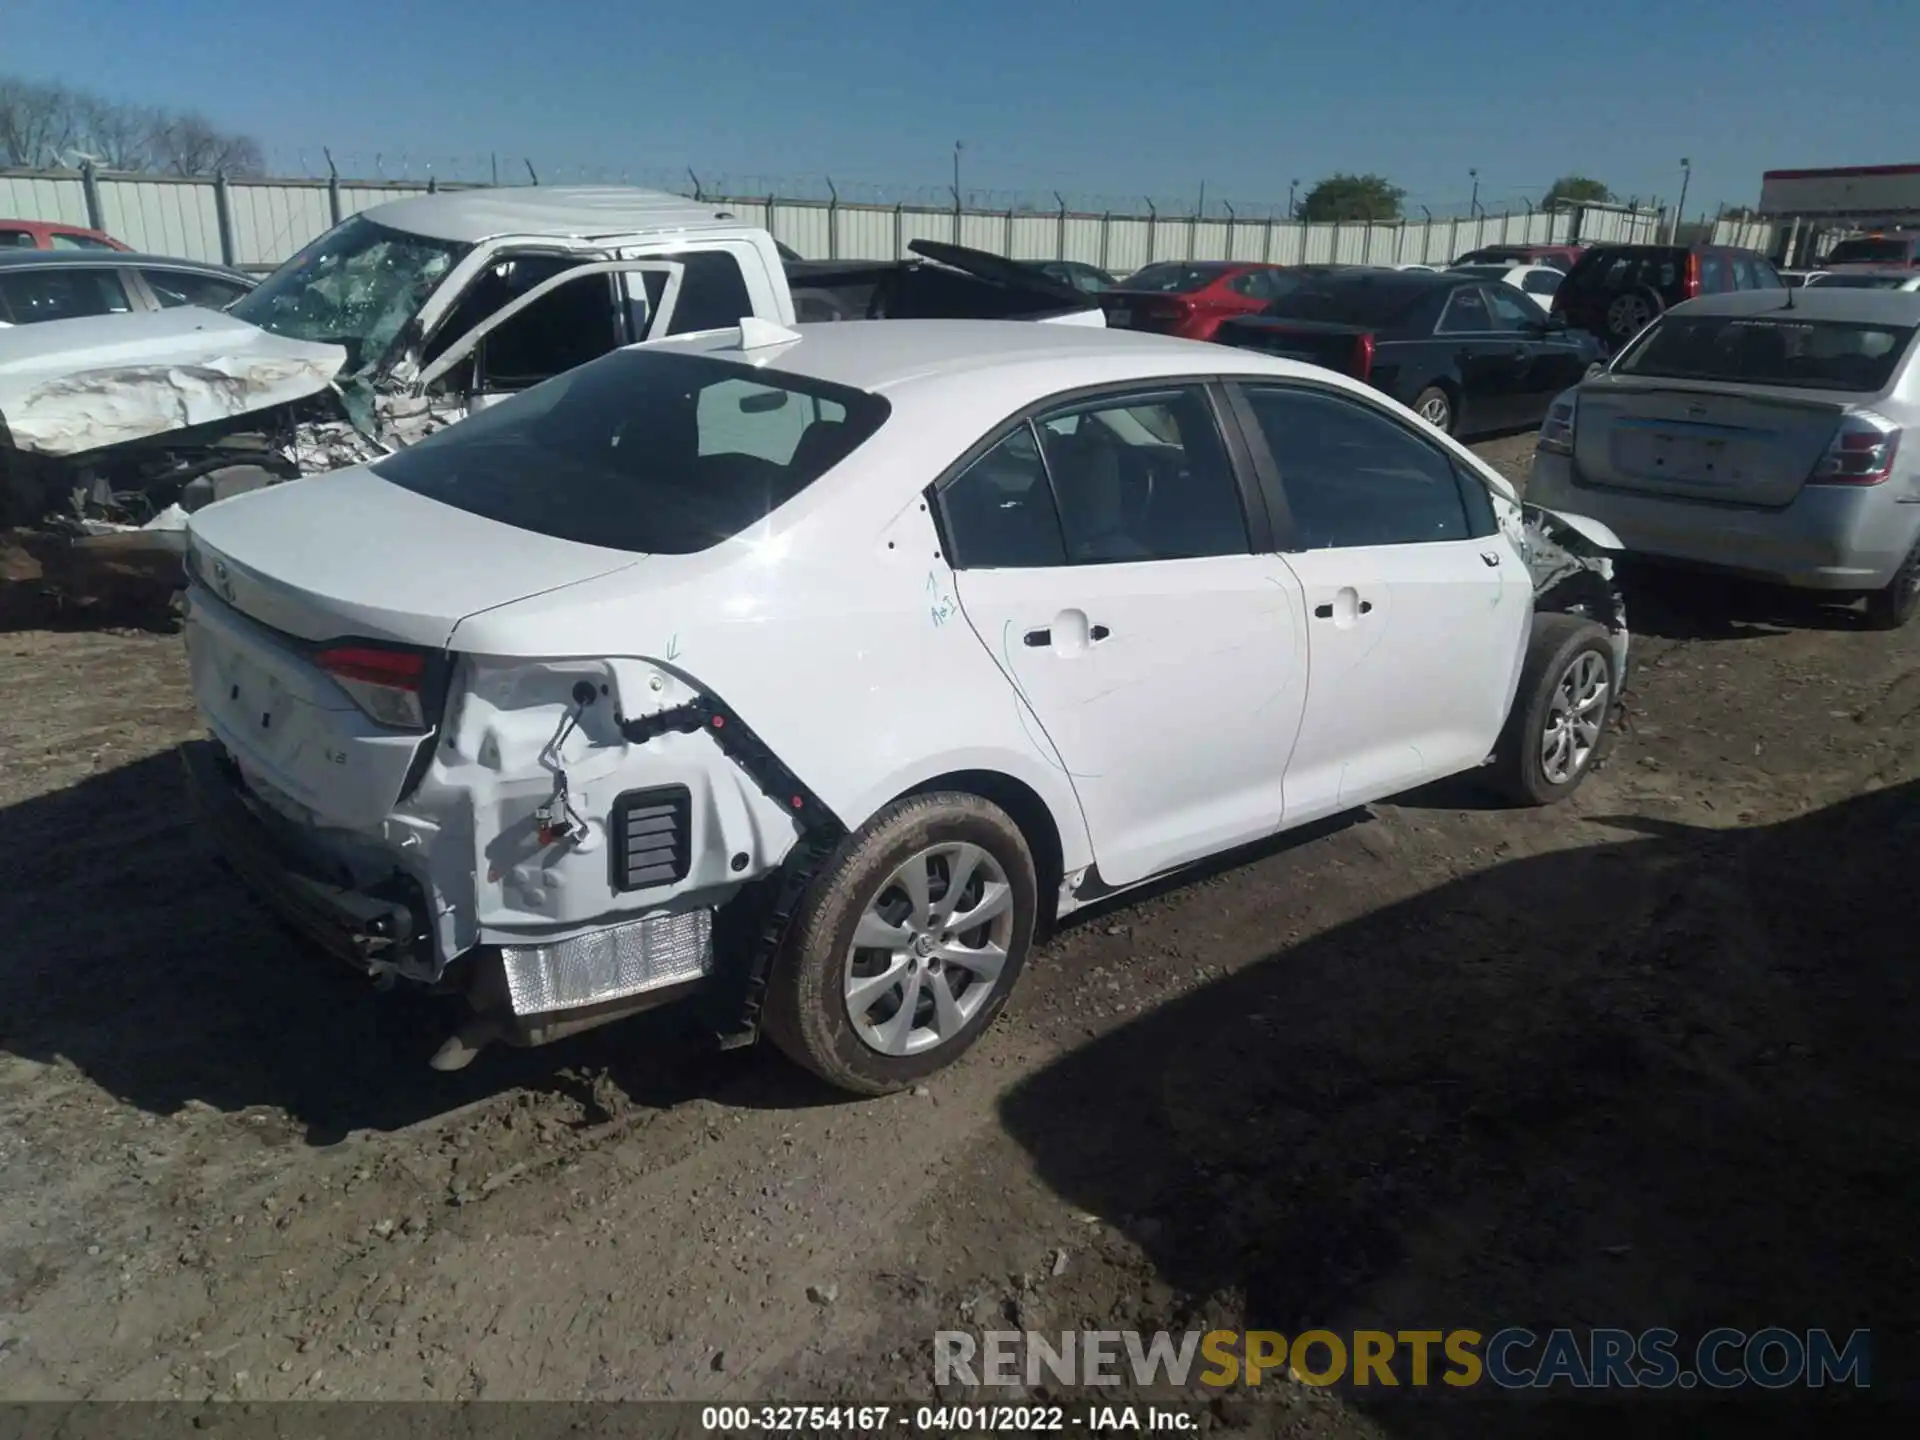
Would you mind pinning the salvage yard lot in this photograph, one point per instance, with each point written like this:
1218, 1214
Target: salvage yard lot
1640, 1059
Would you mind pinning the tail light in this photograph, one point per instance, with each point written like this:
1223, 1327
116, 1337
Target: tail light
1362, 356
1556, 431
1861, 453
388, 684
1693, 274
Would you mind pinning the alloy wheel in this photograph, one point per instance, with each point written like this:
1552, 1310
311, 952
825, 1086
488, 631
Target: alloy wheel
929, 946
1575, 717
1436, 412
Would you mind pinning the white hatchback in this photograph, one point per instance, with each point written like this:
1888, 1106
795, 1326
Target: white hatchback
808, 674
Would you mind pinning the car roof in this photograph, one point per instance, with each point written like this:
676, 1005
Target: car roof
892, 355
574, 212
1814, 302
90, 259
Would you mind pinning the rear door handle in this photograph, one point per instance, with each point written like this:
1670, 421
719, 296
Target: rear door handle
1325, 612
1099, 632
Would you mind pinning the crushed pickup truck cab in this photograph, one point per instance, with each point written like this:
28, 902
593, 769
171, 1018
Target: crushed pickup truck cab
406, 318
804, 674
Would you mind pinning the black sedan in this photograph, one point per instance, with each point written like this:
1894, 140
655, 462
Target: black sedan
1468, 355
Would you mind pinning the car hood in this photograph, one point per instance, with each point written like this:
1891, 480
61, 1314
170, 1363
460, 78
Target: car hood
349, 553
70, 386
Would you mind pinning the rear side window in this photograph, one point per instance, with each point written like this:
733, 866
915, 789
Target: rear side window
1771, 350
35, 295
17, 239
1353, 477
1872, 252
1615, 270
63, 240
642, 451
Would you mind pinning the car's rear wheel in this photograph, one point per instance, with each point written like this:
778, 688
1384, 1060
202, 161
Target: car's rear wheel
1893, 605
1558, 727
1435, 406
907, 943
1629, 314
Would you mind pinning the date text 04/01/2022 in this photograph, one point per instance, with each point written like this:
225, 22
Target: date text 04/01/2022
940, 1419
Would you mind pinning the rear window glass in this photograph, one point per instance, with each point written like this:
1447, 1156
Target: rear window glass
1804, 354
1359, 300
1175, 277
1628, 270
642, 451
1871, 252
1859, 282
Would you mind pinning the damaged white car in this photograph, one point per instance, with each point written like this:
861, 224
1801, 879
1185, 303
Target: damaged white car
808, 674
405, 318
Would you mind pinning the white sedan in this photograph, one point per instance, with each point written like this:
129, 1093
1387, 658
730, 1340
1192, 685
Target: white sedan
810, 674
1537, 282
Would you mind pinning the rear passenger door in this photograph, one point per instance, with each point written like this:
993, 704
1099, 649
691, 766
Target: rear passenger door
1417, 604
1114, 557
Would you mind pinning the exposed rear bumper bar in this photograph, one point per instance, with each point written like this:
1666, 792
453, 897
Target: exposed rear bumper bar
373, 934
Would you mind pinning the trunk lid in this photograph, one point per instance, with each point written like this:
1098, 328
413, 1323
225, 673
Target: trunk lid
71, 386
1317, 342
1725, 444
284, 573
1159, 311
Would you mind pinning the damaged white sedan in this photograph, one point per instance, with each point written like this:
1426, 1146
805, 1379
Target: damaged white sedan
809, 674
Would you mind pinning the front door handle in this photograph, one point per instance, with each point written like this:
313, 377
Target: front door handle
1038, 638
1099, 632
1325, 612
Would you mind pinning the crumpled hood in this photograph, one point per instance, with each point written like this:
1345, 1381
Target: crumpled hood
70, 386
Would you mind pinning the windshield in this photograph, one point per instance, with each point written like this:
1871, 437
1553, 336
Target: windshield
1175, 277
1870, 252
358, 285
1860, 282
1374, 300
1775, 350
642, 451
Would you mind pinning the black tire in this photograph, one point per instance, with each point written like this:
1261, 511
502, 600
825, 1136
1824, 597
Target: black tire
1435, 397
1898, 601
807, 1010
1557, 643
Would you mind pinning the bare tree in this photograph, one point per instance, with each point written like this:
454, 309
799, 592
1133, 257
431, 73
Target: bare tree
50, 126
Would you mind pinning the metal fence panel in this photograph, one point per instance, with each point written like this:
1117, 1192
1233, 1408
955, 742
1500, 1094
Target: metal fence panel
355, 198
162, 217
271, 222
59, 198
1085, 234
1036, 237
804, 227
925, 225
865, 233
1126, 245
984, 232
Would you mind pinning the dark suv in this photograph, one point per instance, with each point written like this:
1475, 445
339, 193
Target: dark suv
1616, 291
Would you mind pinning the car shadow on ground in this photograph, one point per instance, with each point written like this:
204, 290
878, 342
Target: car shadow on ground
1675, 604
1663, 1080
133, 956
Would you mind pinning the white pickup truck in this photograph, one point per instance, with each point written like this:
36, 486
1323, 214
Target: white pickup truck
411, 315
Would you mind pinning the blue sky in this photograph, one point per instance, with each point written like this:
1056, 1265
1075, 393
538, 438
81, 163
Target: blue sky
1115, 99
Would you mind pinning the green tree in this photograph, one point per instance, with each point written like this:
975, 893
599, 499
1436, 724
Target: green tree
1353, 197
1576, 190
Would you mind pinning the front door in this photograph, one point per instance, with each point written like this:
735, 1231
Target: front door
1103, 556
1417, 606
1554, 362
1492, 362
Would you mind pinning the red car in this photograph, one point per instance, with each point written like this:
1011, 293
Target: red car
1190, 298
51, 235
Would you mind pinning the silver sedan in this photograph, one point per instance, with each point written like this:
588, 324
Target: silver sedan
1757, 433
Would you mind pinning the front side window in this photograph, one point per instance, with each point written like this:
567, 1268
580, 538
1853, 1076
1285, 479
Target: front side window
359, 286
1510, 312
642, 451
1541, 282
67, 240
173, 288
18, 239
1354, 477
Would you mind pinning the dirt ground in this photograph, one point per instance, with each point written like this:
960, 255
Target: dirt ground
1644, 1059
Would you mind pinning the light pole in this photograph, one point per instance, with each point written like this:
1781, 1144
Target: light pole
1292, 186
1473, 205
1686, 174
958, 146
